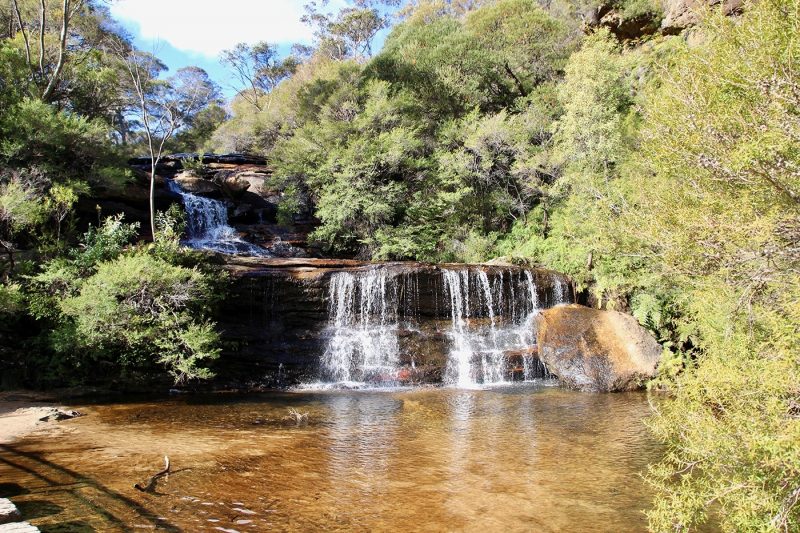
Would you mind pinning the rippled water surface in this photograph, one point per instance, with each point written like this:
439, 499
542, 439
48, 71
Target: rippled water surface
525, 458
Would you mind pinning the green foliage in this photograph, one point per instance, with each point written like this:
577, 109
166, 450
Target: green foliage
33, 132
142, 307
197, 137
434, 145
637, 9
129, 308
674, 197
721, 216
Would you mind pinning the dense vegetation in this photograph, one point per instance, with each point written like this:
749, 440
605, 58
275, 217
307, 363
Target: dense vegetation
662, 175
80, 302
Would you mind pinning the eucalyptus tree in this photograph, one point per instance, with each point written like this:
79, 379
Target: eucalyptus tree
164, 106
349, 33
39, 49
258, 69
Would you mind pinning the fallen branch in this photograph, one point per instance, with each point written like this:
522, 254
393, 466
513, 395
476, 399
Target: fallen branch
151, 486
296, 416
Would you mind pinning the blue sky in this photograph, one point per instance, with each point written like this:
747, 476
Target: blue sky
188, 32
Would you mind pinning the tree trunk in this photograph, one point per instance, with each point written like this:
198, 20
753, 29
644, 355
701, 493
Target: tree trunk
152, 197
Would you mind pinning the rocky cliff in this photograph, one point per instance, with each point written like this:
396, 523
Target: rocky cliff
281, 318
674, 17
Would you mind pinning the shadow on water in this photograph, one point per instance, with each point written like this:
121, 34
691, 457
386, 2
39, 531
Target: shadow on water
14, 458
68, 527
32, 509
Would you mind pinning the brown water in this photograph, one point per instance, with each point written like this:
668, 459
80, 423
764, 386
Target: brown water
525, 458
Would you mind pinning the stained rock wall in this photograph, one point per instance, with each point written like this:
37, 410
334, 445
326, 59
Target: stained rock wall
276, 317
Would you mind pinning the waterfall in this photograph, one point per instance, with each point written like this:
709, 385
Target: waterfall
207, 225
485, 318
363, 324
484, 333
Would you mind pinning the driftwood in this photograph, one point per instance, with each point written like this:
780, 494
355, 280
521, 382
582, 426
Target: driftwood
151, 485
296, 416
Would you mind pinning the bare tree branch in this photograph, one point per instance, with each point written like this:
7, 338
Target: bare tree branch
24, 34
42, 27
61, 49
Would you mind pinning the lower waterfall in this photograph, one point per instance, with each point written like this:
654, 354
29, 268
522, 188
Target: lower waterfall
363, 316
484, 319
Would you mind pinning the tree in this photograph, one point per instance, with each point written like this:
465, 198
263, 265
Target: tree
258, 69
164, 106
45, 76
349, 32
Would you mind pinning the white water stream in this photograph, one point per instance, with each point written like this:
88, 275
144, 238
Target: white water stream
207, 225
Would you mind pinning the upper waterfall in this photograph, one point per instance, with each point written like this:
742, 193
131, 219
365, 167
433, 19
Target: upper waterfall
208, 228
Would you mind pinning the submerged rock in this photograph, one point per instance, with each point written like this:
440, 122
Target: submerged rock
593, 350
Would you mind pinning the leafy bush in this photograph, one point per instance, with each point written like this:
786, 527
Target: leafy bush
719, 146
141, 308
129, 308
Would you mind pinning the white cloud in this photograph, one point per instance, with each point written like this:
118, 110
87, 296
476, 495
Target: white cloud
207, 28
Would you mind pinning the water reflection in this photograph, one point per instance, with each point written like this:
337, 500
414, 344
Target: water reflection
524, 458
361, 437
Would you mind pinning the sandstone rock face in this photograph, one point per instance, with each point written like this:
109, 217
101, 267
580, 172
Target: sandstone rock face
681, 14
605, 15
678, 16
195, 185
593, 350
234, 186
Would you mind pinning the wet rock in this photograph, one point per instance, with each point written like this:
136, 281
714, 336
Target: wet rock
593, 350
56, 415
8, 512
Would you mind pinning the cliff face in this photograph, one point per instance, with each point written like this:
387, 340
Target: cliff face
682, 14
284, 323
677, 16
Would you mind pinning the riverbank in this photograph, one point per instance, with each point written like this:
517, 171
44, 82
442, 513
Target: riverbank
21, 413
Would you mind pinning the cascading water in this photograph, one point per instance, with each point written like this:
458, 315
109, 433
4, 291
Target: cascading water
208, 228
484, 333
363, 345
485, 316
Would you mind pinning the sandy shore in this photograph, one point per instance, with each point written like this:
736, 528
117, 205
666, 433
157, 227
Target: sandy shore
20, 414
